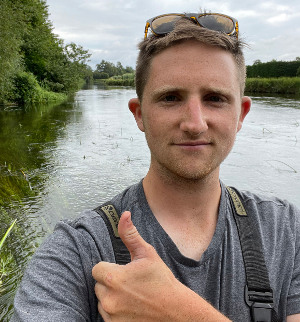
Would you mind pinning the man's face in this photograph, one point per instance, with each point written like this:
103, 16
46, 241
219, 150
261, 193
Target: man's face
191, 109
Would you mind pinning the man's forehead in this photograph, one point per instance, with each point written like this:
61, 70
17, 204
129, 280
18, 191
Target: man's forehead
191, 58
192, 53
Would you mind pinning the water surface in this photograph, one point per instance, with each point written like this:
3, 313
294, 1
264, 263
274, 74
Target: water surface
56, 161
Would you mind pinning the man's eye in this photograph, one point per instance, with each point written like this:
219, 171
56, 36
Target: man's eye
214, 98
170, 98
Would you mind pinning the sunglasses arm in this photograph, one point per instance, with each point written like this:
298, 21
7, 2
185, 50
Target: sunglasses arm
146, 29
236, 29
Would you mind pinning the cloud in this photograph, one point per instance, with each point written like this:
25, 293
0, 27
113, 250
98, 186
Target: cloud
112, 29
274, 20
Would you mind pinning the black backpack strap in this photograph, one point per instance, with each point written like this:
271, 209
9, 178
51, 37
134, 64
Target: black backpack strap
258, 292
111, 218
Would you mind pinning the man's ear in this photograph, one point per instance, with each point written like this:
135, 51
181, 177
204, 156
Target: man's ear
135, 108
245, 108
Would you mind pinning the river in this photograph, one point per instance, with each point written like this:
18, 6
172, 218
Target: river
58, 160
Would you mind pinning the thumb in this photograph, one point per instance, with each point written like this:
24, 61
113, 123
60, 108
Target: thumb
136, 245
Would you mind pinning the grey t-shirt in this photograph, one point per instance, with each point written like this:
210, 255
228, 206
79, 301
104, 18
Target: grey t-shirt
58, 285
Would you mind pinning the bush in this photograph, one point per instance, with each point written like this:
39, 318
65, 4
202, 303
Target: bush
100, 75
28, 90
282, 85
26, 87
119, 82
128, 76
51, 86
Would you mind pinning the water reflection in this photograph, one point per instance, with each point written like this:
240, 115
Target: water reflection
56, 161
27, 137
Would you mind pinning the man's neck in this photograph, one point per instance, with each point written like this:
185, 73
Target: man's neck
175, 194
186, 209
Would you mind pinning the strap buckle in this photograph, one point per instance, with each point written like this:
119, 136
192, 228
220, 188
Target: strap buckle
261, 304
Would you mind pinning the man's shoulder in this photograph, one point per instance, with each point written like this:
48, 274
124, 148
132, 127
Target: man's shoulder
262, 201
270, 210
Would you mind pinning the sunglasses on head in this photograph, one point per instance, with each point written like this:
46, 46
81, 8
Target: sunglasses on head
164, 24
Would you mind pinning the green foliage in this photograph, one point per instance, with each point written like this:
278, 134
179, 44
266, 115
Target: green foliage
28, 44
14, 255
282, 85
100, 75
124, 80
119, 82
128, 76
10, 41
113, 70
257, 62
88, 74
19, 242
114, 75
6, 235
28, 90
298, 72
273, 69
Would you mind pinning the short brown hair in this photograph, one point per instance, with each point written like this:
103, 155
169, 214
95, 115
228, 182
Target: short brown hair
186, 29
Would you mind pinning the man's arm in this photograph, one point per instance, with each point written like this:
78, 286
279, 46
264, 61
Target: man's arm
293, 318
146, 289
54, 286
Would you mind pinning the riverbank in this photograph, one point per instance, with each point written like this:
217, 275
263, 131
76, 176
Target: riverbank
282, 85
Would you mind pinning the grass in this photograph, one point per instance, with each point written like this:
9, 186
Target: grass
281, 85
124, 80
18, 235
7, 233
6, 259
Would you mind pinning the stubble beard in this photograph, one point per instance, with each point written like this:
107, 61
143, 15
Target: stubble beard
177, 172
174, 169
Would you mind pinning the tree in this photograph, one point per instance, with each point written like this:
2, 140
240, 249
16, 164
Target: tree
28, 44
100, 75
129, 70
77, 54
112, 70
10, 41
106, 67
120, 69
256, 62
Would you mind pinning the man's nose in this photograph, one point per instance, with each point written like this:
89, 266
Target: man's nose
194, 118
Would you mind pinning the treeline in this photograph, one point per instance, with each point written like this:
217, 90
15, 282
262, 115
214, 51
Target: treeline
274, 69
35, 65
274, 77
280, 77
114, 75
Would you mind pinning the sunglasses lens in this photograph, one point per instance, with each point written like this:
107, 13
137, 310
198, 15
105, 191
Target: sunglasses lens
217, 23
164, 24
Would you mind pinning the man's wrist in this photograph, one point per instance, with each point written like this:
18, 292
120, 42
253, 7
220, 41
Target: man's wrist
189, 306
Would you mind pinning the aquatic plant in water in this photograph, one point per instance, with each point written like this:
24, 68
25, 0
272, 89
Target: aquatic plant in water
7, 233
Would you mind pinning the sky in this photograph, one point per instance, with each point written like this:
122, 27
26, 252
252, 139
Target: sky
111, 29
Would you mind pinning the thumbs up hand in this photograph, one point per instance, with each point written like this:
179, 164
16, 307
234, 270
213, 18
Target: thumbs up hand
145, 289
136, 290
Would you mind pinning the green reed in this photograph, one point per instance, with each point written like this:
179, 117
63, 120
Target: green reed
6, 234
282, 85
18, 234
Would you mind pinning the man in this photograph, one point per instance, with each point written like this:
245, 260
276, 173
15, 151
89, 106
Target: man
177, 223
